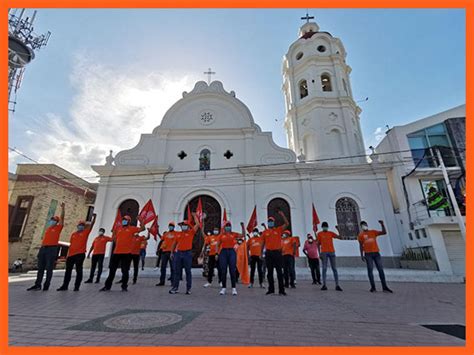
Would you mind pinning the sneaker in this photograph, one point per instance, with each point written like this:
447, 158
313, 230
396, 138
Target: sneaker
62, 288
338, 288
188, 292
387, 290
223, 291
250, 285
103, 289
160, 284
373, 290
206, 285
283, 293
76, 288
270, 293
324, 288
262, 285
234, 292
88, 281
220, 284
34, 288
156, 268
173, 291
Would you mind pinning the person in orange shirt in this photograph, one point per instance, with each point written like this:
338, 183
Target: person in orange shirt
271, 238
143, 247
370, 253
288, 250
255, 251
48, 252
77, 254
228, 256
121, 255
182, 255
98, 246
211, 242
326, 250
136, 250
167, 241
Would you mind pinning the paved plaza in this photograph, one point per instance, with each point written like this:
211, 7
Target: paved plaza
149, 316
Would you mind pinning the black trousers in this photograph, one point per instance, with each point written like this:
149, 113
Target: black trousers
274, 261
136, 265
46, 261
314, 267
115, 260
212, 264
256, 263
165, 260
76, 261
289, 270
97, 262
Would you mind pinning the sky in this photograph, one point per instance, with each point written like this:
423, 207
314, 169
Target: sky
108, 75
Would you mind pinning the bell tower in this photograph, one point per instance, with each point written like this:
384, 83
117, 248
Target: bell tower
322, 118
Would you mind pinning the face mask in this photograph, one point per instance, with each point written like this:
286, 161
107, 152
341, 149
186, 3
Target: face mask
227, 229
80, 228
271, 224
171, 228
325, 229
364, 227
101, 233
184, 228
310, 240
52, 223
285, 236
216, 232
255, 234
239, 241
124, 222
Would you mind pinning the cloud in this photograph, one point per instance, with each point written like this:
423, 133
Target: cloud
379, 134
111, 107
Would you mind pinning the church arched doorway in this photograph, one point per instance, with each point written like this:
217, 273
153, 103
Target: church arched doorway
130, 207
212, 212
276, 205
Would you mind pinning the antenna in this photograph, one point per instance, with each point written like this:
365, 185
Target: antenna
22, 44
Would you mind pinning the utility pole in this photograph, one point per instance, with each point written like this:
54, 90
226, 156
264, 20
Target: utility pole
457, 211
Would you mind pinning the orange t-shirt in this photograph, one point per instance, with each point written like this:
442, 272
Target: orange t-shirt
297, 241
137, 244
78, 242
213, 242
287, 246
368, 239
255, 246
143, 244
228, 240
325, 240
51, 235
168, 239
272, 238
99, 244
124, 239
185, 240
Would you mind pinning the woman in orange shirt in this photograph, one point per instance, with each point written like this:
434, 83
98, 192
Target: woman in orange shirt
327, 252
211, 242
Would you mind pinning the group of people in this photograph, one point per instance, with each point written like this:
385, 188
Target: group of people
273, 249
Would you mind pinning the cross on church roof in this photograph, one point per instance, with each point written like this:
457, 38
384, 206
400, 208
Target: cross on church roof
307, 17
209, 73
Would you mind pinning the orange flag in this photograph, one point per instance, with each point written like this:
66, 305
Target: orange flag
243, 263
118, 221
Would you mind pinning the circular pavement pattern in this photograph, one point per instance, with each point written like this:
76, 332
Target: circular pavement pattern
143, 320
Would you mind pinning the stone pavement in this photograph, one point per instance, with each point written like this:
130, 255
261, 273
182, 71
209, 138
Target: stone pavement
149, 316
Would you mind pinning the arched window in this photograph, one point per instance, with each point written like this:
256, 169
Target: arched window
326, 82
276, 205
303, 85
131, 208
205, 159
348, 218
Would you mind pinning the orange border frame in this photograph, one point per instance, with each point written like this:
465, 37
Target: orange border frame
4, 349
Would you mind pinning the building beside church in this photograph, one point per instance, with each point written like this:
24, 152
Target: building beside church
208, 145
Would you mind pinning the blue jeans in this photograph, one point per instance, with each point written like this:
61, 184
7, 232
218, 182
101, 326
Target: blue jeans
332, 260
371, 259
182, 259
228, 258
46, 260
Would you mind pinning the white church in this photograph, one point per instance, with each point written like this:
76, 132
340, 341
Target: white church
208, 145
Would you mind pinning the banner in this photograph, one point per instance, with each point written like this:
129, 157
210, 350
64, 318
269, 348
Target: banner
147, 214
243, 263
154, 228
190, 216
199, 212
252, 221
118, 221
224, 219
315, 220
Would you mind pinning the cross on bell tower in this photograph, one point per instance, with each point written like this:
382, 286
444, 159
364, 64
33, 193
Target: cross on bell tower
209, 73
307, 17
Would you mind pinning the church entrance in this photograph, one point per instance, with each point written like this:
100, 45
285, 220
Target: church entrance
212, 218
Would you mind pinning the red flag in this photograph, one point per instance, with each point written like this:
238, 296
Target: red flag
154, 228
190, 217
118, 222
147, 214
252, 221
315, 220
199, 212
224, 219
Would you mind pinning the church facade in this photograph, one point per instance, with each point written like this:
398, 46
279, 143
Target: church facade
208, 146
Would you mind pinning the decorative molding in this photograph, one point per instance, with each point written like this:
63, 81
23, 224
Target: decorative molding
202, 87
